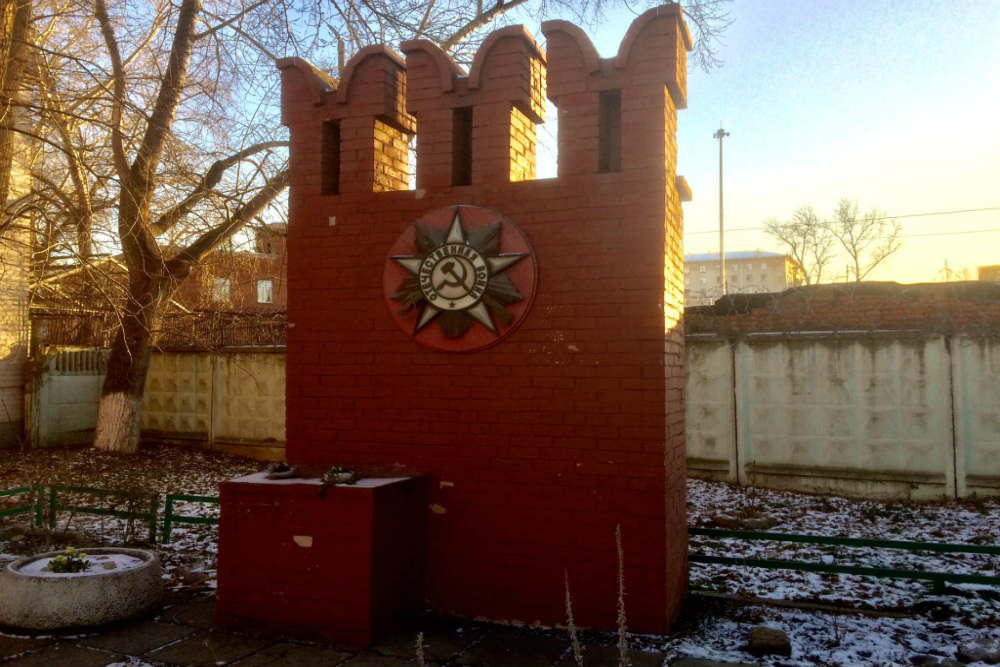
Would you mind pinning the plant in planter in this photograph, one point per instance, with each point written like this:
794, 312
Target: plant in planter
69, 561
64, 589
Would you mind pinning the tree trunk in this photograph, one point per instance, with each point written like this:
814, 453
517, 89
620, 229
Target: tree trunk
120, 409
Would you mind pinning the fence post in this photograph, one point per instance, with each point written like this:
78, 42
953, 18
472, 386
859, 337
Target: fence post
39, 504
741, 380
153, 507
959, 414
215, 399
168, 512
53, 503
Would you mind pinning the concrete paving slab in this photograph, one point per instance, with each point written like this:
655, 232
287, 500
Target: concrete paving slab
206, 649
444, 638
602, 656
13, 645
196, 613
503, 647
64, 655
137, 638
294, 655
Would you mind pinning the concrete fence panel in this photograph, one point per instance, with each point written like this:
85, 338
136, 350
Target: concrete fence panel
710, 410
976, 373
250, 399
863, 416
178, 397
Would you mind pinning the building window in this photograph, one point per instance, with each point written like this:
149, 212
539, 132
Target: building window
220, 289
749, 267
687, 281
763, 267
265, 291
703, 281
701, 269
733, 268
687, 269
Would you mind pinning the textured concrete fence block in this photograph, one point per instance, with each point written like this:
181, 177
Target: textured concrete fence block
710, 410
976, 386
861, 416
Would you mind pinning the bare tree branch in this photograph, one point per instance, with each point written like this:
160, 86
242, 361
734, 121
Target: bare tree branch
222, 233
204, 188
118, 85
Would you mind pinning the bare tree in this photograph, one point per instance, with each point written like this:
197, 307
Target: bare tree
809, 241
868, 239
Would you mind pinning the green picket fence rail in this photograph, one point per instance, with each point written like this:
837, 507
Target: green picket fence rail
36, 491
937, 578
149, 517
54, 505
169, 518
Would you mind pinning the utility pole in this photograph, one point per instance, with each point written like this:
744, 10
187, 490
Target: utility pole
722, 253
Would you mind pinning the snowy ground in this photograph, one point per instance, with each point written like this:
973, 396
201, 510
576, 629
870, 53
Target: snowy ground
919, 622
930, 624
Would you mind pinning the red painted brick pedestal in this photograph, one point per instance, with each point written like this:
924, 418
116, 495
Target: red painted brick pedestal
346, 567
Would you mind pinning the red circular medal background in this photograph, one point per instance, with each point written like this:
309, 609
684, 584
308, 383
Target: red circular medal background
523, 274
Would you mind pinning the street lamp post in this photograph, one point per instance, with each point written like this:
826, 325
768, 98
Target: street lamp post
722, 254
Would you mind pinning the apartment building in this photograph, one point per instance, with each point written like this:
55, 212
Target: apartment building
747, 272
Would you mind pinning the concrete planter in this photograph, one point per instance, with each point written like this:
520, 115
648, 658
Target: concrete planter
45, 601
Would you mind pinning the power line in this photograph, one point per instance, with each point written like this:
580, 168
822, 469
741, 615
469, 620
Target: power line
890, 217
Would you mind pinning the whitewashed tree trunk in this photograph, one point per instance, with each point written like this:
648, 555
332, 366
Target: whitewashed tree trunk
120, 410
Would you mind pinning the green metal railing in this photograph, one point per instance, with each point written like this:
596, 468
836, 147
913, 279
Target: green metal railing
54, 505
938, 578
169, 518
36, 490
149, 517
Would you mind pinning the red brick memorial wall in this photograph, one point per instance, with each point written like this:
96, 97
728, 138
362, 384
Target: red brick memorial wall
504, 335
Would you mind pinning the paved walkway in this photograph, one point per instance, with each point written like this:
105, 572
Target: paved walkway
182, 636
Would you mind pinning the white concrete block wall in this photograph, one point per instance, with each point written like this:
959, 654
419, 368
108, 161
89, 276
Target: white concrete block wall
861, 416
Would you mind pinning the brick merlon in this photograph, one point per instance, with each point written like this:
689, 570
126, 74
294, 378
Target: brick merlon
448, 70
672, 11
324, 83
512, 31
683, 189
355, 62
588, 52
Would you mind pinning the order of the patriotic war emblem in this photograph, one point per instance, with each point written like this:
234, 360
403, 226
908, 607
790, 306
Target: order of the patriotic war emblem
455, 278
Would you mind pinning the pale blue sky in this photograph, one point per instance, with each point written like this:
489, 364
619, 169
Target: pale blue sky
892, 103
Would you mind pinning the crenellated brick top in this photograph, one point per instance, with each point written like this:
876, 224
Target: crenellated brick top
352, 136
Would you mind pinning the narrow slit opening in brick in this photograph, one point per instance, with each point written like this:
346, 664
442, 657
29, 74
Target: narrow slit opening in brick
411, 154
609, 132
392, 157
461, 146
330, 167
